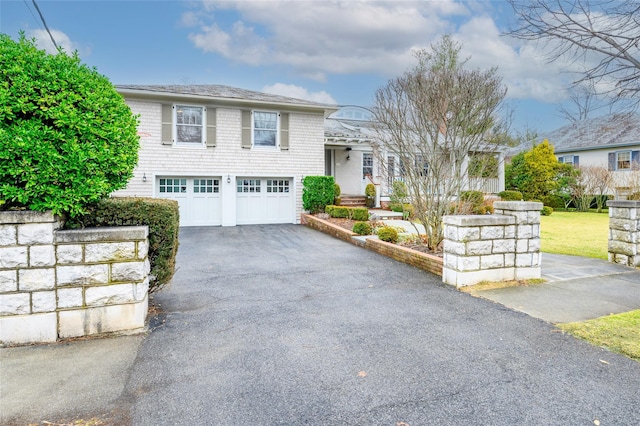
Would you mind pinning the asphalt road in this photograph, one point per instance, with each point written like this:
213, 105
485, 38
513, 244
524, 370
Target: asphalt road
269, 325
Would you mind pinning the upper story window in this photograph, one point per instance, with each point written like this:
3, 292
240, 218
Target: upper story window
569, 159
623, 160
189, 124
265, 128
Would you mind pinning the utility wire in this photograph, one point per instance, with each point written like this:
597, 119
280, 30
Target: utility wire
32, 14
45, 25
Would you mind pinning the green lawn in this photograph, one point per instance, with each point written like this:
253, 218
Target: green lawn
575, 233
618, 333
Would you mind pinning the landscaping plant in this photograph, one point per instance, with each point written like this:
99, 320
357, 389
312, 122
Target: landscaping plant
317, 193
67, 138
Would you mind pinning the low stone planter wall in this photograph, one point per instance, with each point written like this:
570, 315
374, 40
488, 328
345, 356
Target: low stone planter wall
58, 284
624, 232
424, 261
499, 247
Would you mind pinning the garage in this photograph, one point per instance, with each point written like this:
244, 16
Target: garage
198, 198
264, 200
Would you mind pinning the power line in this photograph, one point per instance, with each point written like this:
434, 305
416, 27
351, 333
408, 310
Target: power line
32, 14
45, 25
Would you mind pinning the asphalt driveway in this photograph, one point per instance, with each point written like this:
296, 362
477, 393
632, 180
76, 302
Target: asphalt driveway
271, 325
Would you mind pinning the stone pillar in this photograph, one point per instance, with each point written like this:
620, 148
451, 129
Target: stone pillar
527, 217
624, 232
27, 277
499, 247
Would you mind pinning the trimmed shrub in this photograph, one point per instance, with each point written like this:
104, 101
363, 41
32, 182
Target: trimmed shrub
160, 215
475, 198
336, 194
388, 234
408, 209
510, 195
362, 228
317, 193
67, 138
370, 190
634, 196
546, 211
553, 201
359, 213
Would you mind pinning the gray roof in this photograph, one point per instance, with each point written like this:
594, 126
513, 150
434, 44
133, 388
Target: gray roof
341, 129
609, 131
219, 92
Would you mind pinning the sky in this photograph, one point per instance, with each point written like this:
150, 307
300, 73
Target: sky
326, 51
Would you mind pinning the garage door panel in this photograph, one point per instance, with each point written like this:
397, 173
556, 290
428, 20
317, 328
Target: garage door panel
198, 199
264, 200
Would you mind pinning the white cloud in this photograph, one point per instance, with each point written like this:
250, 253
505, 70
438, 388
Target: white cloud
299, 92
317, 38
43, 41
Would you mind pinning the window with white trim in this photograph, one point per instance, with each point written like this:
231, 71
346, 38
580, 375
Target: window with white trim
567, 159
173, 186
248, 185
189, 124
206, 186
367, 164
277, 185
265, 128
623, 160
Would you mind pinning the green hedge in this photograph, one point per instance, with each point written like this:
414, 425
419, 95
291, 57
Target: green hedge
510, 195
318, 192
388, 234
355, 213
160, 215
362, 228
67, 137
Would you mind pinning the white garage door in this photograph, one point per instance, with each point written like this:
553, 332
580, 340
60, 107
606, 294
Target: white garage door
264, 200
198, 198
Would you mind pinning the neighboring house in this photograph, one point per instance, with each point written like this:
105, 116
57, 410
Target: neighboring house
228, 156
355, 157
611, 141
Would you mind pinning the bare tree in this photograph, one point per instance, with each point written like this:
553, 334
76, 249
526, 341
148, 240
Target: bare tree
582, 103
603, 36
593, 182
431, 118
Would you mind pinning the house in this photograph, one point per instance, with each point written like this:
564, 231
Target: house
355, 157
228, 156
611, 141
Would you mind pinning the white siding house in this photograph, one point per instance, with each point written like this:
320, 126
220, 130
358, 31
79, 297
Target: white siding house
612, 142
228, 156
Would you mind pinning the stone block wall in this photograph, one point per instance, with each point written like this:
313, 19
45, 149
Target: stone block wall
499, 247
624, 232
57, 283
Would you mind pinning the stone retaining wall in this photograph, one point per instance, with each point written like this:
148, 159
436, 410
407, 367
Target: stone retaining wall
69, 283
499, 247
624, 232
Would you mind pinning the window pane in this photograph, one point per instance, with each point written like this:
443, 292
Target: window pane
189, 124
624, 160
264, 138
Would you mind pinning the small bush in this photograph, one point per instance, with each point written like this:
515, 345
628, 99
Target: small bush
317, 193
336, 190
634, 196
475, 198
510, 195
546, 211
553, 201
480, 210
359, 213
329, 209
406, 208
362, 228
370, 190
340, 212
160, 215
388, 234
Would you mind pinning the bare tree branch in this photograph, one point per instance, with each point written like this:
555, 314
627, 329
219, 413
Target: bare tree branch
601, 35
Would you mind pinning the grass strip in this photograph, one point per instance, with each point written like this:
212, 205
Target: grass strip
619, 332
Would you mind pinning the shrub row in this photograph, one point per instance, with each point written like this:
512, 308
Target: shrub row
160, 215
354, 213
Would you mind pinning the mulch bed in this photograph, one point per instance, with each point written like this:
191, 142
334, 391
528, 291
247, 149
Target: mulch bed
348, 224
